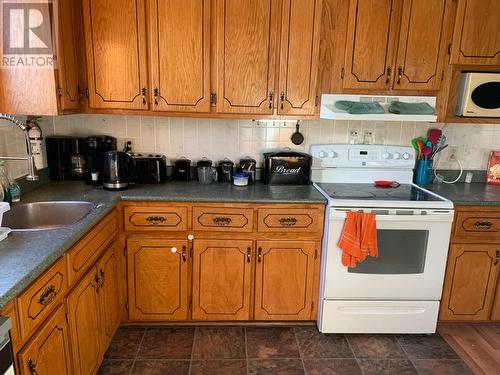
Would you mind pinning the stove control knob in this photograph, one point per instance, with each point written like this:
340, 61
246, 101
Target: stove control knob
332, 154
323, 154
406, 156
386, 155
396, 155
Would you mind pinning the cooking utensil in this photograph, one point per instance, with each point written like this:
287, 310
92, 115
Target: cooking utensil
386, 184
426, 152
433, 135
420, 145
297, 137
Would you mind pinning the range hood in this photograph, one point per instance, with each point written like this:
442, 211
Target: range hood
328, 110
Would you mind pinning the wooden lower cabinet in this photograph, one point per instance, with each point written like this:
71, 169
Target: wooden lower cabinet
284, 279
470, 283
221, 279
48, 351
158, 279
85, 325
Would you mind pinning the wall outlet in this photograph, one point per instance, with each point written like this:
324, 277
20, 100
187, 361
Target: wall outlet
452, 153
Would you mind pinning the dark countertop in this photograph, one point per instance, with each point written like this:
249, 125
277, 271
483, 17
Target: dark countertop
26, 255
474, 194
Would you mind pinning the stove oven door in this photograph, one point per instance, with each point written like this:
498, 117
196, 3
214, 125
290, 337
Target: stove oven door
413, 248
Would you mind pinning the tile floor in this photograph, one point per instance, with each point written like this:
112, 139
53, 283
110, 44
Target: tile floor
274, 350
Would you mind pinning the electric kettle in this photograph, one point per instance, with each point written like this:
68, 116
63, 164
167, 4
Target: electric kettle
118, 168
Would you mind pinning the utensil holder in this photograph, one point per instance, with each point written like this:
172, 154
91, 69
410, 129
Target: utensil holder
423, 173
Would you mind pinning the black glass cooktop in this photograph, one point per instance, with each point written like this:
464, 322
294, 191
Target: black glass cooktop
404, 192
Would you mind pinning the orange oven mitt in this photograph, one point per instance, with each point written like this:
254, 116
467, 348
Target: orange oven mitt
359, 238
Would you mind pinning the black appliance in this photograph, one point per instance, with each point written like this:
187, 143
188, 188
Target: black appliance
150, 169
287, 168
94, 149
248, 165
118, 168
66, 158
226, 170
182, 169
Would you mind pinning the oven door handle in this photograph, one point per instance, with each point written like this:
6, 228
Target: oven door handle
445, 217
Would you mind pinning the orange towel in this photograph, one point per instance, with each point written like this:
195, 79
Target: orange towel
359, 238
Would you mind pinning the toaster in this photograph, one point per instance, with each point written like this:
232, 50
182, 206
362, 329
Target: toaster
287, 168
150, 168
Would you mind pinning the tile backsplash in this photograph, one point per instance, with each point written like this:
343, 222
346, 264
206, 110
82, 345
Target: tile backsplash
219, 138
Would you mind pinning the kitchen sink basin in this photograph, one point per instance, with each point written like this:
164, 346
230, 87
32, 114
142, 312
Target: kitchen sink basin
45, 215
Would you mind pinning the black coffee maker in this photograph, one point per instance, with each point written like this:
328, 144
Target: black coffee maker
95, 147
66, 158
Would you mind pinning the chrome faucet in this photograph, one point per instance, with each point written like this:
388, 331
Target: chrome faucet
32, 175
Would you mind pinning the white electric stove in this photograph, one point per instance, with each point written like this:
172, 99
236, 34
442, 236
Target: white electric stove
399, 291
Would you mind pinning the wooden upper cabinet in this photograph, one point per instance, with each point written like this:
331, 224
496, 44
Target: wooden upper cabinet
246, 55
371, 33
299, 55
221, 279
470, 282
115, 40
180, 59
157, 279
423, 41
284, 280
476, 39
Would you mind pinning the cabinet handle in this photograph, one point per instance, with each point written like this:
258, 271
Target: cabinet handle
184, 252
389, 71
222, 220
497, 257
144, 91
98, 281
156, 92
48, 295
31, 367
282, 98
400, 74
483, 225
259, 254
288, 221
249, 254
156, 219
271, 99
102, 279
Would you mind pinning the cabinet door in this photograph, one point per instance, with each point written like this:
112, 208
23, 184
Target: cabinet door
476, 39
115, 42
299, 55
180, 45
85, 325
246, 55
423, 42
470, 283
69, 88
371, 35
284, 280
221, 279
108, 271
157, 279
48, 351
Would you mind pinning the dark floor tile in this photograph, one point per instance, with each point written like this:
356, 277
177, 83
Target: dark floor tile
271, 343
217, 367
125, 343
313, 344
426, 347
115, 367
376, 346
387, 367
167, 343
332, 367
160, 367
275, 367
441, 367
219, 343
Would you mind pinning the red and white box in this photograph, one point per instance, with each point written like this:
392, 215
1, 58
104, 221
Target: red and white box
493, 171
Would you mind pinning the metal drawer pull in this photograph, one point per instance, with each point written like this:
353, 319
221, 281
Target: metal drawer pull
497, 257
156, 219
249, 254
400, 74
184, 252
98, 281
271, 99
31, 367
288, 221
389, 71
483, 224
144, 91
48, 295
282, 99
156, 92
222, 220
102, 279
259, 254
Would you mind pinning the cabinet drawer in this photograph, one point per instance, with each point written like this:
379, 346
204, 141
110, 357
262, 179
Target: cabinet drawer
480, 225
89, 248
39, 299
155, 218
223, 219
289, 220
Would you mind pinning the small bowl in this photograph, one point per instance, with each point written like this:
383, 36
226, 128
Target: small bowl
241, 178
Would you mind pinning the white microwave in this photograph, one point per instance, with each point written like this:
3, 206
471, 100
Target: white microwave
479, 95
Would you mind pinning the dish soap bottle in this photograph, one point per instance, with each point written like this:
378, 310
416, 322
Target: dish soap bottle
11, 190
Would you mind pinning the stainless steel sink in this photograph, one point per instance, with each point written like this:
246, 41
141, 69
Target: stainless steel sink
45, 215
